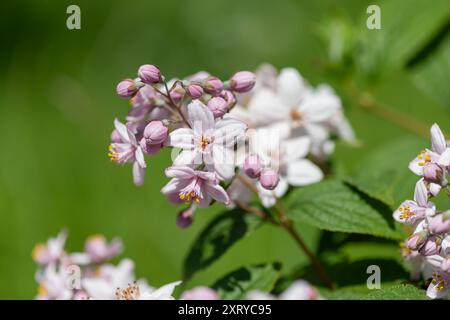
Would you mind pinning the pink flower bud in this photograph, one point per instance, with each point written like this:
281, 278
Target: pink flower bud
416, 240
126, 88
148, 148
149, 73
115, 137
253, 166
433, 172
177, 93
218, 106
155, 132
440, 223
445, 265
242, 81
229, 97
269, 179
195, 91
200, 293
213, 85
430, 247
184, 218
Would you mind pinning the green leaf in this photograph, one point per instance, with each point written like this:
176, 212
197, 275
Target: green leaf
218, 236
237, 284
433, 76
398, 292
400, 36
332, 205
384, 171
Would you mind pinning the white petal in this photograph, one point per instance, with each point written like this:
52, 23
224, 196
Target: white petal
125, 134
444, 159
294, 149
229, 131
319, 107
281, 188
138, 174
438, 143
421, 194
187, 158
218, 193
223, 161
414, 166
139, 155
182, 138
266, 107
179, 172
291, 87
200, 118
164, 293
303, 172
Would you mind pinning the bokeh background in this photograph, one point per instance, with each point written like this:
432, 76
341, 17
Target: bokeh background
58, 102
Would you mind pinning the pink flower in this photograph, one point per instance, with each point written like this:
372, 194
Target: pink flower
52, 251
184, 218
439, 286
253, 166
440, 223
194, 91
126, 88
155, 134
213, 85
191, 186
218, 106
208, 142
269, 179
128, 151
411, 212
200, 293
98, 250
149, 73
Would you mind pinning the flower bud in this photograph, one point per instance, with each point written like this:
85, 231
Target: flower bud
177, 93
253, 166
229, 97
184, 218
269, 179
194, 91
445, 265
440, 223
416, 240
430, 247
155, 132
126, 88
218, 106
148, 148
213, 85
242, 81
433, 173
149, 73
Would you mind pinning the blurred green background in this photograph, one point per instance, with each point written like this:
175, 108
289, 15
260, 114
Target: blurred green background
58, 102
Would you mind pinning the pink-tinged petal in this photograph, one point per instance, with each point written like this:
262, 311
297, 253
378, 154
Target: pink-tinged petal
179, 172
291, 87
125, 134
229, 131
188, 158
421, 194
205, 201
303, 172
266, 107
182, 138
223, 160
404, 211
267, 197
438, 143
239, 192
294, 149
175, 185
138, 174
444, 159
218, 193
434, 291
174, 198
200, 118
140, 157
415, 166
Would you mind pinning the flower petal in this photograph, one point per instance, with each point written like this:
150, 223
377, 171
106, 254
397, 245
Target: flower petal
266, 107
200, 118
182, 138
179, 172
229, 131
291, 86
125, 134
217, 192
438, 143
421, 194
303, 172
138, 174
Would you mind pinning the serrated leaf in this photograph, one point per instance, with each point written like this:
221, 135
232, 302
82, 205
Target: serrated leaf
237, 284
385, 169
400, 36
332, 205
433, 76
398, 292
218, 236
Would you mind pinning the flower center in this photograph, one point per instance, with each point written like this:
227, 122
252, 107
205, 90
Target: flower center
425, 158
192, 193
204, 142
131, 292
296, 116
438, 281
406, 212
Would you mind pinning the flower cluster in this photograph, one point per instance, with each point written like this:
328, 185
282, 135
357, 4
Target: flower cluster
298, 290
428, 247
88, 275
206, 122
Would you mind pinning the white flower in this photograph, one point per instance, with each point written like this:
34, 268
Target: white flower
52, 251
298, 290
207, 141
142, 291
53, 283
